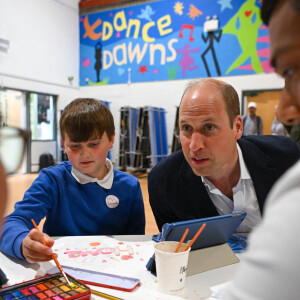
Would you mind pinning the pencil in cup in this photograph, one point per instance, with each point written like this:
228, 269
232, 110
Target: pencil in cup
195, 237
182, 239
54, 257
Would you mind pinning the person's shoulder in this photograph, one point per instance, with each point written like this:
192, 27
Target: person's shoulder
122, 176
267, 139
270, 142
57, 170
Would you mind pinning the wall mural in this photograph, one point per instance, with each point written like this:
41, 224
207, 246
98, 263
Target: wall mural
170, 39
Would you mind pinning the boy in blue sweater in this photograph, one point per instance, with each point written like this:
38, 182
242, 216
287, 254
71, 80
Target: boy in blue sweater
84, 196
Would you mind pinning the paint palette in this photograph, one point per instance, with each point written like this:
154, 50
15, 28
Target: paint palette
106, 280
50, 287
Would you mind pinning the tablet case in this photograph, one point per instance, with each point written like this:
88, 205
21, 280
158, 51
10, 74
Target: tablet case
210, 250
217, 231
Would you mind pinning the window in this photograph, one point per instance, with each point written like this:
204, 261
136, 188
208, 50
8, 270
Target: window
42, 117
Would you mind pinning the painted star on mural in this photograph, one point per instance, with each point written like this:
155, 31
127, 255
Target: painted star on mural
143, 69
225, 4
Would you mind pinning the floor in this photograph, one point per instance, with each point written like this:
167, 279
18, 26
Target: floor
18, 184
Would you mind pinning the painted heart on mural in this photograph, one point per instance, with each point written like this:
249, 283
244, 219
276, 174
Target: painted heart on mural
248, 13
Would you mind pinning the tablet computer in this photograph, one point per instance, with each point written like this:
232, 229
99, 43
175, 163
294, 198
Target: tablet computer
217, 231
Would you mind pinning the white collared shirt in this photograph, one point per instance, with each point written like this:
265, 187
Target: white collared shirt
106, 182
244, 198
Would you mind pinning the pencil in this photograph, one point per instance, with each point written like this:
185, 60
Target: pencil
106, 296
182, 239
196, 235
54, 257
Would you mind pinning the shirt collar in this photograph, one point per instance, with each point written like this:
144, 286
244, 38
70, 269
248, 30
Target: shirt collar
244, 171
106, 182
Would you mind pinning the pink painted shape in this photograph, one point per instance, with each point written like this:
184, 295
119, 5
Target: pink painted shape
107, 250
104, 261
155, 71
264, 64
86, 63
246, 67
130, 13
267, 66
126, 257
118, 34
264, 52
263, 26
263, 39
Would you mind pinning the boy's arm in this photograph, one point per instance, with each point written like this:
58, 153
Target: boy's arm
35, 205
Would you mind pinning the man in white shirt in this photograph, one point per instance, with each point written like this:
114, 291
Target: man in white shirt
270, 269
216, 172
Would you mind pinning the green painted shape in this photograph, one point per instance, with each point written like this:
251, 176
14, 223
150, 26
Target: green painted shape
104, 82
172, 72
246, 34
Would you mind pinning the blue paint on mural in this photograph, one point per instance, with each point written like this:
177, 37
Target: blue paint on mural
166, 40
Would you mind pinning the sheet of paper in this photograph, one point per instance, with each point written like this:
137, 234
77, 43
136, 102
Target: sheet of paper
104, 254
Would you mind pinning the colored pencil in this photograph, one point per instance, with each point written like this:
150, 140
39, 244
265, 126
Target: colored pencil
106, 296
182, 239
196, 235
54, 257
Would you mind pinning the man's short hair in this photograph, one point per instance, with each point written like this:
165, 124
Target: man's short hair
268, 7
85, 118
229, 95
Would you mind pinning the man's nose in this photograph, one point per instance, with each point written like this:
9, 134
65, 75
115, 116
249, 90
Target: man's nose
196, 141
288, 111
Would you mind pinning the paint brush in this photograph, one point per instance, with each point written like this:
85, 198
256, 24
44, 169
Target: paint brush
196, 235
54, 257
182, 239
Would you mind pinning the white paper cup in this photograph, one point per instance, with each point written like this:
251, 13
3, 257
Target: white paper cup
171, 267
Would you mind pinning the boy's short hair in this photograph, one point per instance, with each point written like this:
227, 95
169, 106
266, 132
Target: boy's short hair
85, 118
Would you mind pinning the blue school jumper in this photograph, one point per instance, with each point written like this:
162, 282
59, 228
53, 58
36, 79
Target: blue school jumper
72, 208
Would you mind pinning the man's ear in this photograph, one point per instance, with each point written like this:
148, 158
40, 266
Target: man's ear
238, 127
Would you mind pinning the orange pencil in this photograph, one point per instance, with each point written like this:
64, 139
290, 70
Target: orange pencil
182, 239
196, 235
54, 257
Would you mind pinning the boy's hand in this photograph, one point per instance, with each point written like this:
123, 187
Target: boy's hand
34, 248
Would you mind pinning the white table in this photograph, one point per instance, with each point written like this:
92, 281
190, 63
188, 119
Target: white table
83, 252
